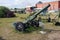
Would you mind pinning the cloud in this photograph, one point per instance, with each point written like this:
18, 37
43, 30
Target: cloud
19, 3
6, 3
16, 2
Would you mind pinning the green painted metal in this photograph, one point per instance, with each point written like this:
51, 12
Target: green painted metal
30, 18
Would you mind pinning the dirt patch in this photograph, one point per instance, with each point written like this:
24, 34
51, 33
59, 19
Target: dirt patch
54, 35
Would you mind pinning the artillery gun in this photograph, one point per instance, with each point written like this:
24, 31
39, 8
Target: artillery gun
21, 26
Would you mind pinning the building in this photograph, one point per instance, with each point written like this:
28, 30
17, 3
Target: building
55, 5
30, 9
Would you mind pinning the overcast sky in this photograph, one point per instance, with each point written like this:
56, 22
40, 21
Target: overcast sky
20, 3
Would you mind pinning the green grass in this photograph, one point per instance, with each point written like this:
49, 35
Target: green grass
6, 25
8, 32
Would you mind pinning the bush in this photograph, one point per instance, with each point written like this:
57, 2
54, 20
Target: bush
1, 14
5, 12
31, 29
59, 15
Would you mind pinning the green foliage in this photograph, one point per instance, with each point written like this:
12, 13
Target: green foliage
31, 29
5, 12
1, 13
59, 15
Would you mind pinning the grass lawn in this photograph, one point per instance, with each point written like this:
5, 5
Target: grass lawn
8, 32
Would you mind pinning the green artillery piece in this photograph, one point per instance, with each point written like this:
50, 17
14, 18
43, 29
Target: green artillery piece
21, 26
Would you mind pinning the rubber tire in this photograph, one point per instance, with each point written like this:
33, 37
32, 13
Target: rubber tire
20, 26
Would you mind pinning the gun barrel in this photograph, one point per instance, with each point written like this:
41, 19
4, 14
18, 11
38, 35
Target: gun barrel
42, 10
37, 13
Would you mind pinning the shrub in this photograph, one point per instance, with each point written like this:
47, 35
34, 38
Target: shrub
59, 14
5, 12
31, 29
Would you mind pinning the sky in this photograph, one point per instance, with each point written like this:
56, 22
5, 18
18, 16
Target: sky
20, 3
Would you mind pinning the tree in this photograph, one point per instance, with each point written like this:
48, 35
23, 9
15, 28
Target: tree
15, 9
5, 12
39, 2
59, 13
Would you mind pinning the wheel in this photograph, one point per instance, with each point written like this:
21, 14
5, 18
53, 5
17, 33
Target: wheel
57, 23
19, 26
34, 23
